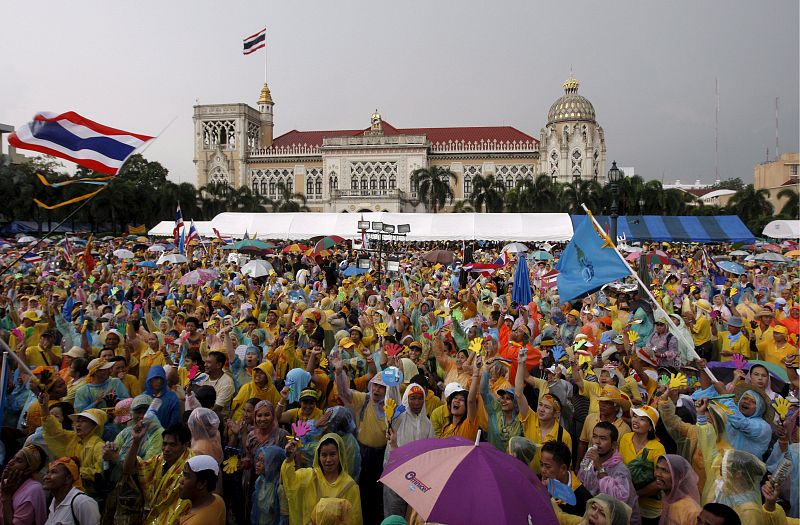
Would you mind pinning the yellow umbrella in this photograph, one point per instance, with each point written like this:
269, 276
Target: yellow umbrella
793, 253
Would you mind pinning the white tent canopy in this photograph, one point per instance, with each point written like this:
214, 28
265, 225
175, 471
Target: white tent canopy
782, 229
424, 226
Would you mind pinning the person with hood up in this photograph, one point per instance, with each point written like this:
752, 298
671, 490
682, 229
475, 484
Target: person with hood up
340, 420
84, 443
680, 500
260, 387
327, 478
204, 426
737, 482
165, 402
746, 428
269, 505
605, 510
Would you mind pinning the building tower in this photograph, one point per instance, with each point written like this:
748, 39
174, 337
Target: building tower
265, 105
572, 144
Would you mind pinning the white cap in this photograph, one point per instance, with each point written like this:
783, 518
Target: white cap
452, 388
95, 364
203, 462
115, 332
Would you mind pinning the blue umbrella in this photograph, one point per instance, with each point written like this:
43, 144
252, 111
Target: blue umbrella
521, 293
146, 264
731, 267
350, 271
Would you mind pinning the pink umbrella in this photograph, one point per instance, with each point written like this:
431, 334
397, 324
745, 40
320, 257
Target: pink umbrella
455, 480
772, 247
200, 276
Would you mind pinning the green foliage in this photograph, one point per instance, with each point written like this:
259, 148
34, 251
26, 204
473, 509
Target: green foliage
433, 186
735, 184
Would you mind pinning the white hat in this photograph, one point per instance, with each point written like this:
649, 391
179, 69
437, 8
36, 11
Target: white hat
76, 351
452, 388
556, 367
115, 332
203, 462
94, 364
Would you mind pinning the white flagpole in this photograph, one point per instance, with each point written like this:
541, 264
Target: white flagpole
671, 323
265, 54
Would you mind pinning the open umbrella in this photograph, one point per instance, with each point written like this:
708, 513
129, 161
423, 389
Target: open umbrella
252, 245
724, 371
329, 242
455, 480
770, 257
439, 256
731, 267
515, 247
199, 276
540, 255
351, 271
174, 258
122, 253
740, 253
793, 253
26, 239
155, 248
146, 264
257, 268
521, 292
295, 248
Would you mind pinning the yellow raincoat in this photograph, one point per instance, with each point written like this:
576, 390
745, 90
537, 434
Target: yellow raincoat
66, 443
160, 489
251, 390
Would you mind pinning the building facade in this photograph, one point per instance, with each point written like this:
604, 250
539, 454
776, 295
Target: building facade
778, 175
370, 169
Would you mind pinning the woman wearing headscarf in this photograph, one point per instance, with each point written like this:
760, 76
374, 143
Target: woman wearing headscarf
269, 505
600, 510
138, 411
265, 431
261, 387
204, 426
747, 429
339, 420
327, 478
678, 483
22, 496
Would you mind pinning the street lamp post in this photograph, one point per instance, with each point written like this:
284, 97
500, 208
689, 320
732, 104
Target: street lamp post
641, 206
614, 177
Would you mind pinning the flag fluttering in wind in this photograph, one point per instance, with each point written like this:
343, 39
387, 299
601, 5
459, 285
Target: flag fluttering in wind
193, 234
88, 260
255, 42
68, 253
31, 257
176, 231
588, 262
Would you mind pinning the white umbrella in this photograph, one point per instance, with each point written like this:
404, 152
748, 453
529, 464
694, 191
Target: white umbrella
630, 249
515, 247
257, 268
174, 258
156, 248
26, 238
122, 253
771, 257
740, 253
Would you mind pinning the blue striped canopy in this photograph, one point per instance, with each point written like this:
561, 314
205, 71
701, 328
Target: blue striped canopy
720, 228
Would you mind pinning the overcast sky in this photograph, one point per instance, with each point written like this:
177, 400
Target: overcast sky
648, 67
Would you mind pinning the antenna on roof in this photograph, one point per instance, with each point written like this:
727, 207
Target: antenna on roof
716, 133
777, 143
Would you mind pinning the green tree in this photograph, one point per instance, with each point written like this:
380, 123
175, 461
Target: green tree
791, 208
288, 201
488, 194
580, 192
462, 206
752, 206
433, 186
734, 184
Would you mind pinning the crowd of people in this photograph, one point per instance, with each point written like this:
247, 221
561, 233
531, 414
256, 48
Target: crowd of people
132, 398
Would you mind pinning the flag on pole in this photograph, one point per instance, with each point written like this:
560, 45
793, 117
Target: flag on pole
192, 233
178, 225
589, 261
75, 138
246, 236
225, 239
68, 253
31, 257
255, 42
181, 242
88, 260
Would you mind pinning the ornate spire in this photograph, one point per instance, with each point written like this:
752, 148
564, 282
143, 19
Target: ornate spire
266, 96
571, 84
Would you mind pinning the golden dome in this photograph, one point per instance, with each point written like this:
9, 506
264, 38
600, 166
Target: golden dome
266, 96
571, 106
376, 116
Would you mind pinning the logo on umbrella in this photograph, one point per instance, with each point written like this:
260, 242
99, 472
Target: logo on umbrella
415, 482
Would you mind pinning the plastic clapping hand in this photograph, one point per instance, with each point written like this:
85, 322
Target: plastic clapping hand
230, 465
633, 336
781, 406
677, 381
389, 406
381, 329
476, 345
300, 429
738, 361
558, 353
392, 349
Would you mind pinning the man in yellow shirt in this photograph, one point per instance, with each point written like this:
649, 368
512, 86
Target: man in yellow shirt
45, 353
197, 485
612, 404
733, 340
762, 335
699, 325
777, 350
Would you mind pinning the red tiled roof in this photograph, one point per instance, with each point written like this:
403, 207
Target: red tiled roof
791, 182
435, 135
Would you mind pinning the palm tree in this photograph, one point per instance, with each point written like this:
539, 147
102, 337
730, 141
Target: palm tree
752, 206
288, 201
462, 206
433, 186
580, 192
791, 209
488, 194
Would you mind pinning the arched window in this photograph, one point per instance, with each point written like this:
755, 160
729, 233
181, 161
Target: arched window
467, 185
263, 187
364, 182
309, 187
382, 182
354, 183
392, 182
373, 183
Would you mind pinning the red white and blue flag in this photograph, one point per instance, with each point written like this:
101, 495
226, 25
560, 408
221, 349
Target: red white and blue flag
31, 257
178, 225
68, 254
77, 139
192, 233
226, 239
502, 260
255, 42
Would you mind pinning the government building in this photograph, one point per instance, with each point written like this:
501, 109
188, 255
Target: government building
369, 169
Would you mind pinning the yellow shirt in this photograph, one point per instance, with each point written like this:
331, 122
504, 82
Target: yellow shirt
371, 427
132, 385
212, 514
593, 419
649, 506
533, 431
591, 390
763, 338
147, 359
467, 428
701, 331
37, 357
770, 352
740, 346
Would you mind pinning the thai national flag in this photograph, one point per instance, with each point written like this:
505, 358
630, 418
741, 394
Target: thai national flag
178, 224
75, 138
255, 42
502, 260
31, 257
68, 253
192, 233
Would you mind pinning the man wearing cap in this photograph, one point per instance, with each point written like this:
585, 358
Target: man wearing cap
27, 332
70, 505
779, 348
101, 390
197, 485
45, 353
732, 341
762, 333
698, 323
570, 328
612, 404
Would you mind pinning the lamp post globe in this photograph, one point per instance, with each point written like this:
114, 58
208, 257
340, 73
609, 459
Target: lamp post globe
615, 176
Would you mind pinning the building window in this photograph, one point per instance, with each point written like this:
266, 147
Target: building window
793, 170
470, 172
309, 187
392, 182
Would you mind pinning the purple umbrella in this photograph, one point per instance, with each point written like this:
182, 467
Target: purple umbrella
455, 480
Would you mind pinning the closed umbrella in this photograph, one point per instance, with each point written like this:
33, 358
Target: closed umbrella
257, 268
122, 253
521, 292
455, 480
439, 256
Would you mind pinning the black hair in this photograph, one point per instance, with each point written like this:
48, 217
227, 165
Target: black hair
208, 477
251, 319
118, 358
219, 356
180, 432
559, 450
719, 510
81, 365
193, 319
605, 425
463, 351
195, 356
67, 410
206, 396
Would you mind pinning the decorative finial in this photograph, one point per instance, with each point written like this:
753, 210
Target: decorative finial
571, 84
266, 96
376, 121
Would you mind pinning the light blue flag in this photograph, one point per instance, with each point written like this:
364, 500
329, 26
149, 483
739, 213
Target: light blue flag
587, 263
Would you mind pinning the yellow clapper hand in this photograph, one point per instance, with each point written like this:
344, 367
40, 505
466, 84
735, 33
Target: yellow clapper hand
633, 336
781, 406
723, 407
476, 346
389, 407
381, 329
323, 362
230, 465
677, 380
